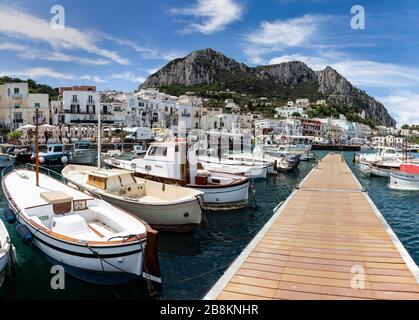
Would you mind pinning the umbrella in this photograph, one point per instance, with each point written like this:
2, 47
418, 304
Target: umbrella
48, 127
26, 127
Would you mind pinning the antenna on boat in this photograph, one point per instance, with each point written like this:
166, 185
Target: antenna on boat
99, 147
36, 143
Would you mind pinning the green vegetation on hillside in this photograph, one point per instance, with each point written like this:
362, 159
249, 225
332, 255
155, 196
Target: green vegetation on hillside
33, 86
336, 110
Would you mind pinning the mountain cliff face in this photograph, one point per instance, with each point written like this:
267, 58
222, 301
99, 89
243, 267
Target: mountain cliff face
286, 80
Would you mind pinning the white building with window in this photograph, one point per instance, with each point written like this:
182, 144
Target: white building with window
79, 107
17, 105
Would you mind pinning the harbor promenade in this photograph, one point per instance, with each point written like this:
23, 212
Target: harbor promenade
327, 241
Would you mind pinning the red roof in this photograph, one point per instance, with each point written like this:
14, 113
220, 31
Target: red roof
410, 168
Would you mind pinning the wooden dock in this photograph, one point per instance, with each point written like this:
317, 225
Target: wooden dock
327, 241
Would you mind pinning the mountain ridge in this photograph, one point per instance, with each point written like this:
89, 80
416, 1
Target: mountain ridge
208, 67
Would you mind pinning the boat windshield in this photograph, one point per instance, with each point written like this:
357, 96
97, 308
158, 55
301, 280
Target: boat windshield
82, 146
157, 151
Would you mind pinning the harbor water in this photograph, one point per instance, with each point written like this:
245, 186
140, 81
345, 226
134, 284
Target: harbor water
191, 264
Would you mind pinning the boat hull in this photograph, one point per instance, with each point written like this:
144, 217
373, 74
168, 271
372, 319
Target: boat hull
6, 160
225, 197
404, 181
177, 217
86, 157
83, 263
380, 172
5, 247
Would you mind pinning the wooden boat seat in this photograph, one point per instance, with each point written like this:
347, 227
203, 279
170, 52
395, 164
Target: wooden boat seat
61, 202
54, 197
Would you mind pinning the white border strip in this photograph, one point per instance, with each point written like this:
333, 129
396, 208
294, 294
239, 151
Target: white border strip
411, 264
219, 286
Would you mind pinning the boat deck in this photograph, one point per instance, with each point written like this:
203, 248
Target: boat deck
327, 241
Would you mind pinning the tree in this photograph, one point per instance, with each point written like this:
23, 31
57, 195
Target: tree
296, 115
14, 135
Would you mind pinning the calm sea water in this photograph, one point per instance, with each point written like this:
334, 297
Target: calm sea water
191, 264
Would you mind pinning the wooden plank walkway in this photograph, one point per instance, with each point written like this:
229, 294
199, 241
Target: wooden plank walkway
318, 242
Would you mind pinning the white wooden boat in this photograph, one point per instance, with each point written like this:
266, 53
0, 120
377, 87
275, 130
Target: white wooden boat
278, 163
6, 247
383, 168
303, 151
92, 239
255, 170
164, 207
382, 153
175, 162
407, 178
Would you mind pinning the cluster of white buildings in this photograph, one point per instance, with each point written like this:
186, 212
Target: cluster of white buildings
146, 108
79, 105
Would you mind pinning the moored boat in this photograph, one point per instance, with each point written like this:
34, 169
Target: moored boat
55, 154
164, 207
6, 247
175, 162
406, 178
92, 239
83, 153
383, 168
6, 160
256, 170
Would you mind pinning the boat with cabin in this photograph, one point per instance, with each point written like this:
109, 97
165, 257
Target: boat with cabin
83, 153
383, 168
175, 162
165, 207
406, 178
54, 154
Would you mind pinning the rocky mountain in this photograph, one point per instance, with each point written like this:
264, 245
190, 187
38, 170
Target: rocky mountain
213, 70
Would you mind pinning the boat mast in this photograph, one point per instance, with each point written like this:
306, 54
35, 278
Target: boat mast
36, 144
99, 147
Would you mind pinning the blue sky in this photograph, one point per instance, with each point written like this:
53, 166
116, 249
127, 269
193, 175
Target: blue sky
117, 44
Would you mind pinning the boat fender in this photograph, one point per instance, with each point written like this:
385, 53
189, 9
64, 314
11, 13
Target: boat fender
64, 159
41, 159
24, 233
9, 216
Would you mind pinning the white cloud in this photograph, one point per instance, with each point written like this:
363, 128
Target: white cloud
128, 76
27, 52
404, 106
146, 52
211, 15
281, 34
36, 73
376, 74
20, 25
285, 33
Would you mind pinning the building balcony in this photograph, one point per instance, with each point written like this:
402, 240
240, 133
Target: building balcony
17, 96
